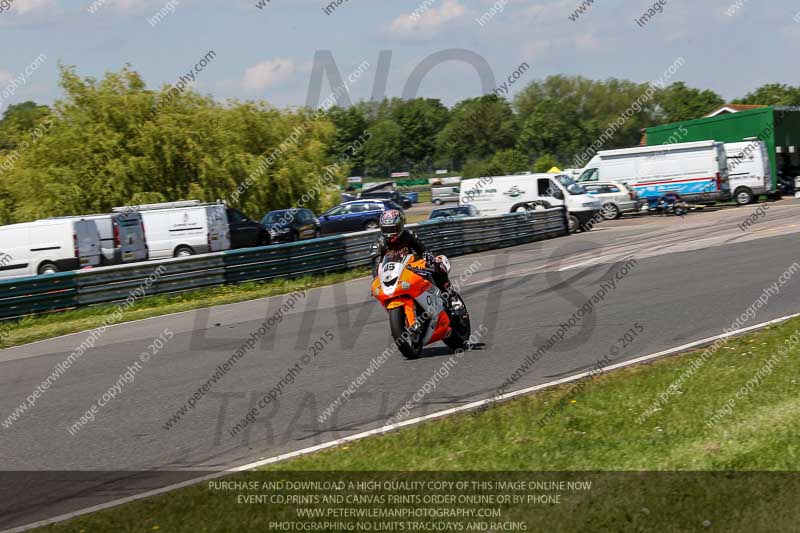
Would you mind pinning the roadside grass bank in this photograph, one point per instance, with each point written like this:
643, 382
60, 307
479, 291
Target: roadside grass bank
672, 472
416, 218
47, 326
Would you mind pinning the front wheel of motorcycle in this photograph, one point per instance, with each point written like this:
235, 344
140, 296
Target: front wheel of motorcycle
407, 342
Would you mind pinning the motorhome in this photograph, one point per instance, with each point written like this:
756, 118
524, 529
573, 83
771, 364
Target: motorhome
182, 229
749, 170
507, 194
48, 246
697, 171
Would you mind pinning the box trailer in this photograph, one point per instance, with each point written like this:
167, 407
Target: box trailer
776, 126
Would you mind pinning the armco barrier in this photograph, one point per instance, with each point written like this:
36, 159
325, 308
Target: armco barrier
154, 277
25, 296
327, 254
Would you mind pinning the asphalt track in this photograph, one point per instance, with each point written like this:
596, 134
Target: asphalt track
691, 279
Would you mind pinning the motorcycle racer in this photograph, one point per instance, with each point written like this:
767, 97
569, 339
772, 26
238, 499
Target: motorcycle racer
394, 237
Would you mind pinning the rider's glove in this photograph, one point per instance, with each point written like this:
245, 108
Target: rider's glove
429, 258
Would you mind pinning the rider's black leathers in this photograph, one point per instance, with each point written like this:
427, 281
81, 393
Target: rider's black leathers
407, 243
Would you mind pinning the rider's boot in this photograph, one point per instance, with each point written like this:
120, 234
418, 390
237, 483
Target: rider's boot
452, 301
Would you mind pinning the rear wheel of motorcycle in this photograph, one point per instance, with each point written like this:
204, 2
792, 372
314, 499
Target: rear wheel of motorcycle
397, 323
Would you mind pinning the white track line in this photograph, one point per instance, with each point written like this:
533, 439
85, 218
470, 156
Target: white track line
393, 427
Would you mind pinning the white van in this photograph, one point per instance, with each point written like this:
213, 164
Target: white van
122, 237
181, 229
698, 171
749, 170
508, 194
48, 246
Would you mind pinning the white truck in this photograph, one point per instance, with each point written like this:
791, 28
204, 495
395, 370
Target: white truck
122, 237
182, 229
749, 170
697, 171
508, 194
48, 246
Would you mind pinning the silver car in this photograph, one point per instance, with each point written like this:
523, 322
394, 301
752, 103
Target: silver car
444, 194
617, 198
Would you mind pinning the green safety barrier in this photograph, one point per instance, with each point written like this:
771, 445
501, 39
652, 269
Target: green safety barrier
37, 294
31, 295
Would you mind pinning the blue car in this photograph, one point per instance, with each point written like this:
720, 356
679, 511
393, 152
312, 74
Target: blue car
413, 197
355, 216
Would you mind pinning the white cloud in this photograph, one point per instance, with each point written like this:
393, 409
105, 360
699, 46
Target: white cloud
29, 6
539, 48
129, 4
427, 20
98, 6
267, 74
550, 10
587, 42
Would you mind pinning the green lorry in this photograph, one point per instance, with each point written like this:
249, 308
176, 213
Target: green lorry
778, 127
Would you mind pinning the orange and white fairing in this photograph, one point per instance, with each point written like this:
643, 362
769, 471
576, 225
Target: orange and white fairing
398, 285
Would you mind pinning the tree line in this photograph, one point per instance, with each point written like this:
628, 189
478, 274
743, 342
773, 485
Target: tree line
111, 141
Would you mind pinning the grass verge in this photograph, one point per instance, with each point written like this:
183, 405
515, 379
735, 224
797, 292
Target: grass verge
416, 218
46, 326
599, 429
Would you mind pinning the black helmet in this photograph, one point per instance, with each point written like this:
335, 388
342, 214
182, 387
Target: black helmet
392, 224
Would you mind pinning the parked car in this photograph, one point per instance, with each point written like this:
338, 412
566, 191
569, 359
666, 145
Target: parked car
48, 246
394, 196
617, 198
289, 225
355, 216
122, 237
412, 196
442, 214
442, 195
181, 229
244, 232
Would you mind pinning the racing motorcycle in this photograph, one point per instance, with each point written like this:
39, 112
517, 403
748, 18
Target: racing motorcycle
417, 318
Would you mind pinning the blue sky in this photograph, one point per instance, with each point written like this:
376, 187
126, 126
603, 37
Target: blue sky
730, 46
